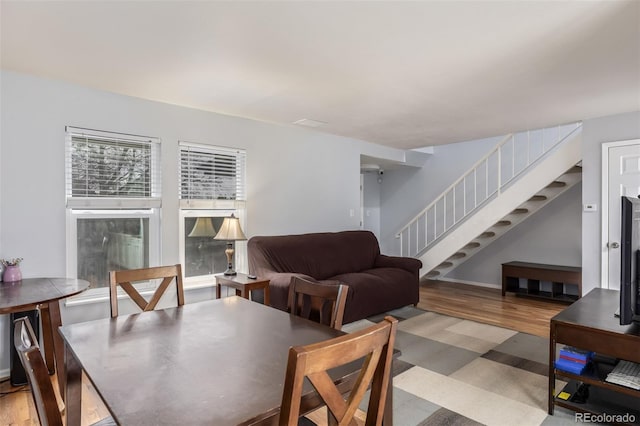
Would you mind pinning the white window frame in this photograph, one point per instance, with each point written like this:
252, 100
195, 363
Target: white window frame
72, 240
116, 208
239, 258
194, 207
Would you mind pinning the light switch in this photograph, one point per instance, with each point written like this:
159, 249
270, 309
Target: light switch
590, 208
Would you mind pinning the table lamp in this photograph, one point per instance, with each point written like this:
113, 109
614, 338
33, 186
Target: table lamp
230, 231
203, 228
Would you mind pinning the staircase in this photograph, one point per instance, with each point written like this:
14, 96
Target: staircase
522, 174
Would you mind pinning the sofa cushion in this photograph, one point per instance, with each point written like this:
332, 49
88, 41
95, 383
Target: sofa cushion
319, 255
377, 290
279, 289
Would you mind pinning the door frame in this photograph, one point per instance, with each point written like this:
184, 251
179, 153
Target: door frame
604, 216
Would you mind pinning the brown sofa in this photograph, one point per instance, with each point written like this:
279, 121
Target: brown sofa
377, 283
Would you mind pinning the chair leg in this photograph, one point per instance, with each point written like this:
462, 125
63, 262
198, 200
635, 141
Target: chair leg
387, 419
58, 343
47, 338
73, 390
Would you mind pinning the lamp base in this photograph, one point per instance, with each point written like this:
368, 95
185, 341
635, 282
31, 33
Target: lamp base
229, 252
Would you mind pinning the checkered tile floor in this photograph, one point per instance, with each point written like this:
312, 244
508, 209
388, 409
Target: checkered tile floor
460, 372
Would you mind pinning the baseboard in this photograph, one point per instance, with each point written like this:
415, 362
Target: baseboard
4, 374
476, 283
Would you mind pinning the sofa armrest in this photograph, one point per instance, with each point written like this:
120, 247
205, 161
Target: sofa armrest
407, 263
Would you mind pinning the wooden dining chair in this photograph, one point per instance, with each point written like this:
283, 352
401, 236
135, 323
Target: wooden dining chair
374, 344
323, 303
44, 396
125, 278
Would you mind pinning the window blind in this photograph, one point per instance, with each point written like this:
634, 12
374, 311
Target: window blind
112, 170
212, 173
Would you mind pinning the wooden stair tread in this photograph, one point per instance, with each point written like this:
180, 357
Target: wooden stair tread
538, 198
487, 234
520, 210
472, 245
557, 184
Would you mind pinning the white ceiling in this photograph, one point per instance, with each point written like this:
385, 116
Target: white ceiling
403, 74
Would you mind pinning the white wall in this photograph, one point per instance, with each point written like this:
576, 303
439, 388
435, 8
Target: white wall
371, 202
407, 191
552, 235
298, 180
595, 132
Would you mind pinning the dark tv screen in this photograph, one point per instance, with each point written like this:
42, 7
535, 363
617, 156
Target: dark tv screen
630, 261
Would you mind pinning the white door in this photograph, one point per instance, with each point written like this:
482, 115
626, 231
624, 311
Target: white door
623, 178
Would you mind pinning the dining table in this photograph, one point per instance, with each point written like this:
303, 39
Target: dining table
44, 294
217, 362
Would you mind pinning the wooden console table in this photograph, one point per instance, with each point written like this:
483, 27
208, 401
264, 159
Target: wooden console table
243, 285
590, 324
560, 277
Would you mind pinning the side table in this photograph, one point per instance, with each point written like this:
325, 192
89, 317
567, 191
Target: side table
44, 294
243, 285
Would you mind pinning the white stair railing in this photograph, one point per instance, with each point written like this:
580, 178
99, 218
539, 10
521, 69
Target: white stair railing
486, 179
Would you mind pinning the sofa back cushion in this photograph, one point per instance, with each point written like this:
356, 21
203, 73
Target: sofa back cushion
319, 255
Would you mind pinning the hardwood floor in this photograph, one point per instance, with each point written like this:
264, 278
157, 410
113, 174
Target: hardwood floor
17, 407
487, 305
459, 300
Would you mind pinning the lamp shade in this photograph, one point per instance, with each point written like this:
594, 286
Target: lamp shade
230, 230
203, 228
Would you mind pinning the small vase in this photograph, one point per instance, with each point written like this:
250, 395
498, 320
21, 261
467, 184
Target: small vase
11, 274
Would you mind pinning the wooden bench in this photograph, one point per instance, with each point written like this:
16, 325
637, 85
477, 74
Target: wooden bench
564, 282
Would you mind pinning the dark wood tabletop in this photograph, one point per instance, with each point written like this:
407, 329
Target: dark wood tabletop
45, 294
219, 362
28, 293
597, 310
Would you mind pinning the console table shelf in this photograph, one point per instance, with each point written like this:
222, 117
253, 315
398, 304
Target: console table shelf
600, 401
599, 381
590, 324
561, 280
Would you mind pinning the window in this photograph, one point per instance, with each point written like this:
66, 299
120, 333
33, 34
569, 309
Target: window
211, 173
212, 186
113, 203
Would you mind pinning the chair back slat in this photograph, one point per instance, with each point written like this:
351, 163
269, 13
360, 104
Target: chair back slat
125, 278
374, 345
323, 303
31, 358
